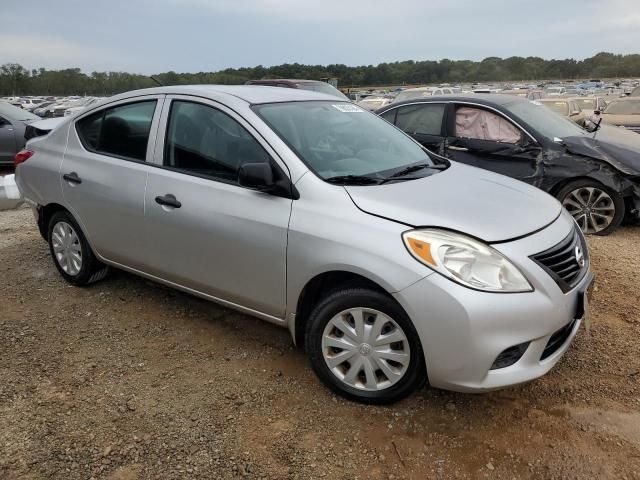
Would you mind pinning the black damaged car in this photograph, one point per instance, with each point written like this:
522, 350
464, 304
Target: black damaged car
595, 175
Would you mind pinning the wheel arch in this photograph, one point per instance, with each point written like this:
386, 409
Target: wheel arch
555, 189
44, 217
318, 288
619, 189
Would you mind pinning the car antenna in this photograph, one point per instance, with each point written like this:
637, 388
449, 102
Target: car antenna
160, 84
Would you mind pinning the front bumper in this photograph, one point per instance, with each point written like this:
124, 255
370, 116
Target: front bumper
463, 331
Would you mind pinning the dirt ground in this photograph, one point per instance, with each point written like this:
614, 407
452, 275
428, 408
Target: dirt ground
129, 380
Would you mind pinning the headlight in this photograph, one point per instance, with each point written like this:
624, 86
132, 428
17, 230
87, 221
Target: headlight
466, 261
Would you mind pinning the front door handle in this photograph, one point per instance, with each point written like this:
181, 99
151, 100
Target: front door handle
168, 200
458, 149
72, 178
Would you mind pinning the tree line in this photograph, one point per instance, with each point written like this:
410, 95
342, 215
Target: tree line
17, 80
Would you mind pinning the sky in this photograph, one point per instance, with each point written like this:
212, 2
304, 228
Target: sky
154, 36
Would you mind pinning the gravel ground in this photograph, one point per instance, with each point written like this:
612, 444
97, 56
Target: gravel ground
129, 379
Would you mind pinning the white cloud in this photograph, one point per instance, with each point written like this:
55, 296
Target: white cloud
43, 51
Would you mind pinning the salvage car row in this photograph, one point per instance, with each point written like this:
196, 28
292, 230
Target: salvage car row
48, 107
374, 99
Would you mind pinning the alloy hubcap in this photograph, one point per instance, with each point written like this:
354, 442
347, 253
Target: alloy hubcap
366, 349
66, 248
592, 208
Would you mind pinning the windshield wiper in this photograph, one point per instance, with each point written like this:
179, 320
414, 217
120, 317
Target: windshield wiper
411, 169
353, 180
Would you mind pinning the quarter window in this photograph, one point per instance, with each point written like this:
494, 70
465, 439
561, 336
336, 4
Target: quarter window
204, 141
390, 115
122, 131
424, 119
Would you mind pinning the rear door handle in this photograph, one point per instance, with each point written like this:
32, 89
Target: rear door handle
72, 178
168, 200
459, 149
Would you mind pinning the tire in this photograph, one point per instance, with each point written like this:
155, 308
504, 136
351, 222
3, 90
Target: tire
379, 313
71, 253
597, 209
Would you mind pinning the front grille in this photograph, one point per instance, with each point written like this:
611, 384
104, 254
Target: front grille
634, 129
557, 340
563, 263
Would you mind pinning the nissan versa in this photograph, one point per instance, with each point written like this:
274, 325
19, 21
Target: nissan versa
392, 266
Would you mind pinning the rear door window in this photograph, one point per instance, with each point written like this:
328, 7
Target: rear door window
121, 131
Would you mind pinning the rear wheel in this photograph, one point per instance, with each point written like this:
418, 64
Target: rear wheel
363, 346
71, 252
597, 209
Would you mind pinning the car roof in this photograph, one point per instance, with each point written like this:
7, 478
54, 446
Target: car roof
253, 94
283, 80
488, 99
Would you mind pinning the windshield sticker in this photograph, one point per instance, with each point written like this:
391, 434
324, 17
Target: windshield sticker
348, 108
535, 102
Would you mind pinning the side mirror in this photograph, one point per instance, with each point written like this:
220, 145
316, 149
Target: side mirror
597, 112
3, 122
262, 177
258, 176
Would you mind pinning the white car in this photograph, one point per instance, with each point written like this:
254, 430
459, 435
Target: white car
421, 92
554, 91
373, 103
80, 107
30, 103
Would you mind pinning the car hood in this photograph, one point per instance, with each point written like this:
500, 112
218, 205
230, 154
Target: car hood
476, 202
618, 147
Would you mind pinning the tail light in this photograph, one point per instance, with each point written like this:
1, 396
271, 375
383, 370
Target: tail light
22, 156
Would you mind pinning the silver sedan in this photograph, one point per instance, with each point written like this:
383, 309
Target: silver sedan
389, 265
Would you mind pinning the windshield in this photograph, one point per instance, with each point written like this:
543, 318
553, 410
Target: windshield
623, 108
322, 88
341, 139
548, 123
586, 103
559, 107
10, 112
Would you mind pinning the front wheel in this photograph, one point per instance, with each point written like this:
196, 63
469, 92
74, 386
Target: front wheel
597, 209
363, 346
